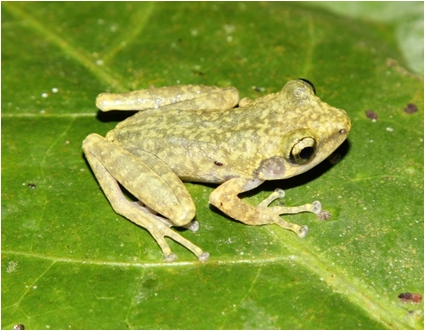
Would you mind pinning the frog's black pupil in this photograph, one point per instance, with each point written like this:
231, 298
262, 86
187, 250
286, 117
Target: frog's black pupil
306, 153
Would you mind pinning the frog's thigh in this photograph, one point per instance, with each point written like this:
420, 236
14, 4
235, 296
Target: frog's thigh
148, 178
225, 198
132, 210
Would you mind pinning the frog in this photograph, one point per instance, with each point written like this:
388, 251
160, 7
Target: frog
208, 134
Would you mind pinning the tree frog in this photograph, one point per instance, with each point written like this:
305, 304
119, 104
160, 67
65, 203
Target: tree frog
207, 134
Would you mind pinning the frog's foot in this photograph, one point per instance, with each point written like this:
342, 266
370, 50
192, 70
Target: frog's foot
160, 228
301, 231
160, 231
314, 207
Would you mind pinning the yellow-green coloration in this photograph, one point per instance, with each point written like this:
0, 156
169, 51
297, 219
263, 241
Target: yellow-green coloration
193, 133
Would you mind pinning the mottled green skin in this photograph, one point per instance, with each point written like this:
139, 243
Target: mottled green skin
216, 145
193, 133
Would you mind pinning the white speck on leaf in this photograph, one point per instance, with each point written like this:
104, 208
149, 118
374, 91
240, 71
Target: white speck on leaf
229, 28
11, 267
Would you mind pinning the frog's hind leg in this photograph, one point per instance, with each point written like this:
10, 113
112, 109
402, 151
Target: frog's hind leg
192, 226
107, 175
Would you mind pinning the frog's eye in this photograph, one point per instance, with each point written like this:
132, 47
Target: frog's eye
311, 85
303, 151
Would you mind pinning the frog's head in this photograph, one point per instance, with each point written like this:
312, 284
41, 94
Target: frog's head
312, 131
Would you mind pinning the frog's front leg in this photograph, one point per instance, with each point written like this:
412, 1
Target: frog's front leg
225, 199
187, 97
152, 182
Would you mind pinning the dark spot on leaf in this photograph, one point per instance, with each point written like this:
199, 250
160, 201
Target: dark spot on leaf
150, 284
371, 115
410, 108
258, 88
324, 215
409, 297
197, 73
405, 297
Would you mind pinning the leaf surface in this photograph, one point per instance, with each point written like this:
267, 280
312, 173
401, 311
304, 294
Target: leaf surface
68, 261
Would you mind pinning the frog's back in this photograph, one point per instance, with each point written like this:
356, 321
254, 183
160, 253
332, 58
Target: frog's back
205, 145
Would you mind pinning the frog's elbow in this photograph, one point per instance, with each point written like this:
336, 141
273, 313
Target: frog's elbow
103, 102
111, 101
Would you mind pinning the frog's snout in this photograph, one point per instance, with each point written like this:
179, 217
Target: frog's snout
347, 127
344, 131
344, 123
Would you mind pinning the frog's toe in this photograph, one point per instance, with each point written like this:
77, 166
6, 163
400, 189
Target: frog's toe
302, 231
163, 231
280, 192
316, 207
170, 258
193, 226
204, 257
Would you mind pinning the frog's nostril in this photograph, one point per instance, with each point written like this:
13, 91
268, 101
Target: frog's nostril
342, 131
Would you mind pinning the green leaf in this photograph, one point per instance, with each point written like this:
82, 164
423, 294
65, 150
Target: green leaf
68, 261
